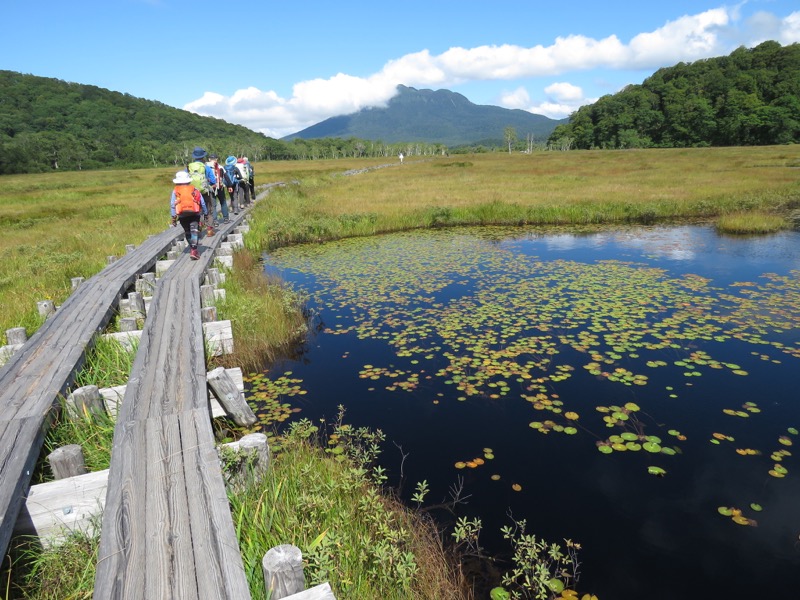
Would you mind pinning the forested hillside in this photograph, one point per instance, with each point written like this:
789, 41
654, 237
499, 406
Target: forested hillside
751, 97
52, 124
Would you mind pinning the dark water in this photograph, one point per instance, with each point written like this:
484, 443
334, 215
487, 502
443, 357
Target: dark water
523, 317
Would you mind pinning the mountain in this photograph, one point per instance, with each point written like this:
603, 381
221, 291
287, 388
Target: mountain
440, 116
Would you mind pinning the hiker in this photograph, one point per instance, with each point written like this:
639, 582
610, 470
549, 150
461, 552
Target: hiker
186, 205
233, 180
217, 191
400, 156
244, 170
251, 181
202, 176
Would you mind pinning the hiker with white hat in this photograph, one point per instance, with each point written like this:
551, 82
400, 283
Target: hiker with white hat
186, 205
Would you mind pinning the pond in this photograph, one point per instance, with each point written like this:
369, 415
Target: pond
632, 390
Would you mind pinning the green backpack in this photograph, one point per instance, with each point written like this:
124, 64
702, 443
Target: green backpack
197, 173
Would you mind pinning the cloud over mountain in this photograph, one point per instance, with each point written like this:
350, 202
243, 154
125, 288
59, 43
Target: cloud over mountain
691, 37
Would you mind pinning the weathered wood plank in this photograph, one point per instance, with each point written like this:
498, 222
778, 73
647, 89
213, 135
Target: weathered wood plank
322, 591
167, 529
44, 367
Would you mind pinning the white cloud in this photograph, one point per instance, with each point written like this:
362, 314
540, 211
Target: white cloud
562, 99
790, 29
687, 38
564, 91
519, 98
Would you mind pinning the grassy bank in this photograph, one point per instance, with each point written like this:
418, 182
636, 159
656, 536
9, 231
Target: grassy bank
579, 188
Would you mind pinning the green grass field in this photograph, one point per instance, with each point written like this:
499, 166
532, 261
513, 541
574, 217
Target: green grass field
62, 225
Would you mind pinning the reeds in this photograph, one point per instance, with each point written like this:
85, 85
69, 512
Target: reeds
751, 223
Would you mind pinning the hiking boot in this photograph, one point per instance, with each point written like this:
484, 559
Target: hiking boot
193, 254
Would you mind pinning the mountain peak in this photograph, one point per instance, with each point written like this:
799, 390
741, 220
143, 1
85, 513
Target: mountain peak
432, 116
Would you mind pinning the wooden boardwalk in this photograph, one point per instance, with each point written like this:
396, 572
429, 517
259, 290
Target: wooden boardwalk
167, 530
33, 378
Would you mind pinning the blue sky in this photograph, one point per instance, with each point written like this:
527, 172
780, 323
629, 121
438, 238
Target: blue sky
278, 67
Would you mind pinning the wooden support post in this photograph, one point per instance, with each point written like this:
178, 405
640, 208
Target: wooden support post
16, 335
67, 461
147, 284
125, 308
84, 401
229, 396
212, 277
111, 259
283, 571
256, 445
208, 313
76, 282
136, 305
206, 295
45, 308
128, 324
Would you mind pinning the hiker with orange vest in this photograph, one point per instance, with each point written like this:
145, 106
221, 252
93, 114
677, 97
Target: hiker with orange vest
187, 205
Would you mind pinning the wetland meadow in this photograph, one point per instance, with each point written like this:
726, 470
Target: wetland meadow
572, 339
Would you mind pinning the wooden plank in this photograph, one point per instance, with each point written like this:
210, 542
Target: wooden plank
32, 379
55, 508
167, 529
322, 591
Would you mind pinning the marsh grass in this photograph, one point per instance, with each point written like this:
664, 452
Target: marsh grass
267, 316
548, 188
366, 544
64, 572
62, 225
108, 364
751, 223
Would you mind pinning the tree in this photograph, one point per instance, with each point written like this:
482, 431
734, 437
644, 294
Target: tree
510, 136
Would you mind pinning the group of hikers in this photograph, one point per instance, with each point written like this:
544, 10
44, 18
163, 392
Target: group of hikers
202, 187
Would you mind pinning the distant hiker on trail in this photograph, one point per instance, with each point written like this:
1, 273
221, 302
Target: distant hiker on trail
251, 180
217, 191
202, 176
186, 205
401, 157
233, 181
243, 166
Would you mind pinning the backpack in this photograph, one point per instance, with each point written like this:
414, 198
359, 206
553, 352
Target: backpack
244, 169
232, 175
187, 199
197, 172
